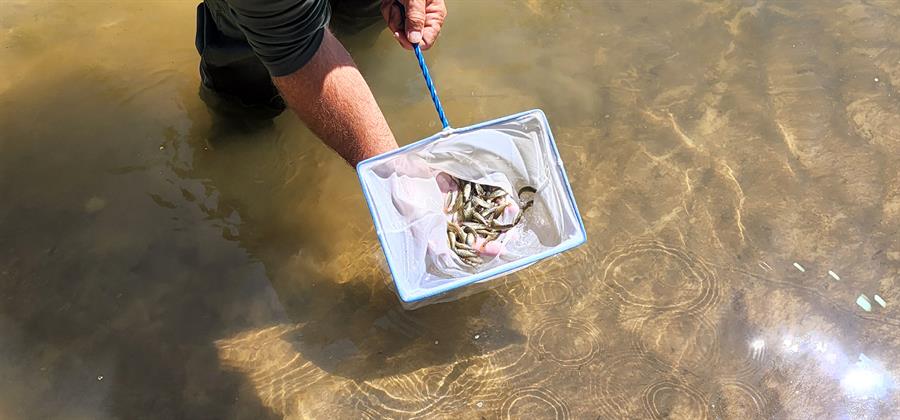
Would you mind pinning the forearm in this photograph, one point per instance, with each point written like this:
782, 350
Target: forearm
332, 98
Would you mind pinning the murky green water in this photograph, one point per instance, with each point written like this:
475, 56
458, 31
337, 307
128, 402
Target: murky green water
158, 263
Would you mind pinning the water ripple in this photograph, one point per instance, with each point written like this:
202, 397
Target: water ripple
567, 341
550, 292
422, 394
275, 369
655, 276
668, 399
738, 400
534, 402
613, 386
679, 340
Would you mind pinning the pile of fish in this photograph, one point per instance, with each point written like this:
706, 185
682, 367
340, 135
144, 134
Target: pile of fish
475, 211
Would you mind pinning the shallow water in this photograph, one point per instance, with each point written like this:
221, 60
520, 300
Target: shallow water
736, 164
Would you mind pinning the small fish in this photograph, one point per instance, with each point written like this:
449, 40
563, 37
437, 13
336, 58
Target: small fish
500, 226
451, 201
525, 189
518, 218
474, 225
454, 227
496, 211
469, 263
465, 253
481, 202
526, 205
452, 240
474, 210
475, 261
500, 193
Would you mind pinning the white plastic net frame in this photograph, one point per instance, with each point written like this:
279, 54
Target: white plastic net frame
407, 205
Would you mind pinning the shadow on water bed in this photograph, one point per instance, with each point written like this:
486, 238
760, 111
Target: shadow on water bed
334, 288
105, 313
114, 295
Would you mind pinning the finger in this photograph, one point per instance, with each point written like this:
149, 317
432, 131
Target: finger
415, 20
434, 20
401, 39
395, 18
386, 6
429, 37
396, 26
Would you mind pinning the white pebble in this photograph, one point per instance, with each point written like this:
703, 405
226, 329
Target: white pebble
480, 404
864, 303
100, 378
799, 267
833, 275
477, 336
876, 79
880, 301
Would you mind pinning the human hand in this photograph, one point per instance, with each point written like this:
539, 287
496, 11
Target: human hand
422, 24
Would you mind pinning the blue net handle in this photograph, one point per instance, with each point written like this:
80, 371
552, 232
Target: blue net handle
424, 67
431, 89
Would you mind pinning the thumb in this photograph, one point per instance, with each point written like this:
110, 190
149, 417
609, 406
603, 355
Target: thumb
415, 20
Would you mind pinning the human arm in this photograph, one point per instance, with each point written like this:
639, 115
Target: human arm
314, 74
330, 95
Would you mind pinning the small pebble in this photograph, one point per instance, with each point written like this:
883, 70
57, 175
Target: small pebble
100, 378
435, 342
162, 147
799, 267
876, 79
864, 303
477, 336
479, 404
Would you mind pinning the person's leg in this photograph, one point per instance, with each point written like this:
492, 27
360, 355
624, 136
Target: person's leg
234, 81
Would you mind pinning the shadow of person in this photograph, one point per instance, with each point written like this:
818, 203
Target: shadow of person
303, 217
107, 312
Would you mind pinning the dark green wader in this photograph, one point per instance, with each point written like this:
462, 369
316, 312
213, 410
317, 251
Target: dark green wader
233, 81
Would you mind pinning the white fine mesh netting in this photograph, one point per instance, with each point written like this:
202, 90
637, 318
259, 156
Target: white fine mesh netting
407, 202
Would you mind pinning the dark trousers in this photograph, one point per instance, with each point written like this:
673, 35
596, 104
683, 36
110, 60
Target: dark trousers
232, 79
